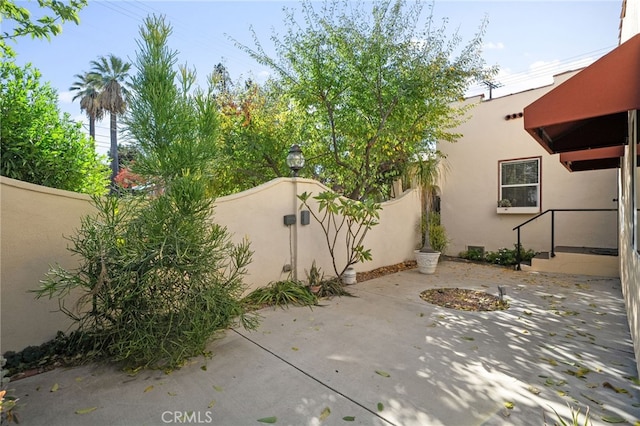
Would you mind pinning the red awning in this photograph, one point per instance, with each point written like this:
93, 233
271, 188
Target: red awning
592, 159
589, 110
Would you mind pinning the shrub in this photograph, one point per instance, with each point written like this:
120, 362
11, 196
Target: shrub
437, 233
332, 287
157, 278
503, 256
280, 293
336, 215
8, 402
39, 144
507, 257
473, 254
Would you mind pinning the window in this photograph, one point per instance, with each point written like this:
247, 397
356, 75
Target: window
520, 185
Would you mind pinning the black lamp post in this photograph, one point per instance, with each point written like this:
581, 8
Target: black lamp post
295, 159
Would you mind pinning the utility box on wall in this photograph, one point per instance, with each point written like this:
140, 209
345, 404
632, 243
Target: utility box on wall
305, 217
290, 219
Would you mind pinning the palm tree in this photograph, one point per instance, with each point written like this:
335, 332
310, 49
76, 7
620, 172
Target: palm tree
87, 88
112, 74
427, 174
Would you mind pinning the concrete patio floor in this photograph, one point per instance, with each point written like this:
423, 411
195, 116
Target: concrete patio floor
385, 357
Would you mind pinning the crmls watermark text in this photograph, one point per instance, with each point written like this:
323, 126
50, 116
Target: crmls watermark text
187, 417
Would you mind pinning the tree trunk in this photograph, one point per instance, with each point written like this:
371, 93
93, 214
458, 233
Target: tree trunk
92, 128
115, 168
426, 248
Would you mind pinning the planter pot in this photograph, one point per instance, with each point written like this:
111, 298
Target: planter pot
427, 262
349, 276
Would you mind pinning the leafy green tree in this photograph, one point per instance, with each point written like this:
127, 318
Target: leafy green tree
258, 128
39, 145
378, 82
158, 279
110, 75
127, 154
87, 89
22, 24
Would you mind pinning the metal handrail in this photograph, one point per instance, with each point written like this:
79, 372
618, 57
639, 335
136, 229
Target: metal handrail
552, 252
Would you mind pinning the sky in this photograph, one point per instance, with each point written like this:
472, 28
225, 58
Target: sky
529, 41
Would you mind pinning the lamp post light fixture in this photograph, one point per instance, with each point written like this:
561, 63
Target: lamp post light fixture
295, 159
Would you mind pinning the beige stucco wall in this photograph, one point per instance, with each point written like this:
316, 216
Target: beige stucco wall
35, 219
629, 246
470, 186
258, 214
630, 200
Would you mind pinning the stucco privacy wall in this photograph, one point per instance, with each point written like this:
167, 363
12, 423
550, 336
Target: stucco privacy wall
258, 214
35, 219
470, 187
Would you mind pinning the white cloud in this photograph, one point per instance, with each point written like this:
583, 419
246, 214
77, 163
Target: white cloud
538, 74
66, 97
494, 46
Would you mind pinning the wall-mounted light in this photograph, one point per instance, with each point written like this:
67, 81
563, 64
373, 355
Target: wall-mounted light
295, 159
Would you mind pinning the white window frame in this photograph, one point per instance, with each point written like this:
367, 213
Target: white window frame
520, 210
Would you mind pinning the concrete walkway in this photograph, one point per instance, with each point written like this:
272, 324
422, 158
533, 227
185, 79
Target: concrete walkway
384, 357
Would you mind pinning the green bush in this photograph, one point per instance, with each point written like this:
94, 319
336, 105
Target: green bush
473, 254
332, 287
507, 257
280, 293
437, 233
8, 402
157, 278
337, 214
503, 256
39, 144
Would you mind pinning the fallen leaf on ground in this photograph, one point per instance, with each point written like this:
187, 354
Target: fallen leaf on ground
613, 419
268, 420
86, 410
534, 390
383, 373
325, 413
55, 387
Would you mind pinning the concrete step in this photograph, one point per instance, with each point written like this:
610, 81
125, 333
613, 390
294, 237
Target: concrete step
578, 260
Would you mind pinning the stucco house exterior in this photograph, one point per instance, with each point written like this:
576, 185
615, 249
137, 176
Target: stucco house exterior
571, 145
496, 159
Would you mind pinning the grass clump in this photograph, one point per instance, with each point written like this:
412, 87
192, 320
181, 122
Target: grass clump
332, 287
280, 293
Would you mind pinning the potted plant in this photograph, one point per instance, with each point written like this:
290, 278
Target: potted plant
427, 258
314, 278
426, 174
